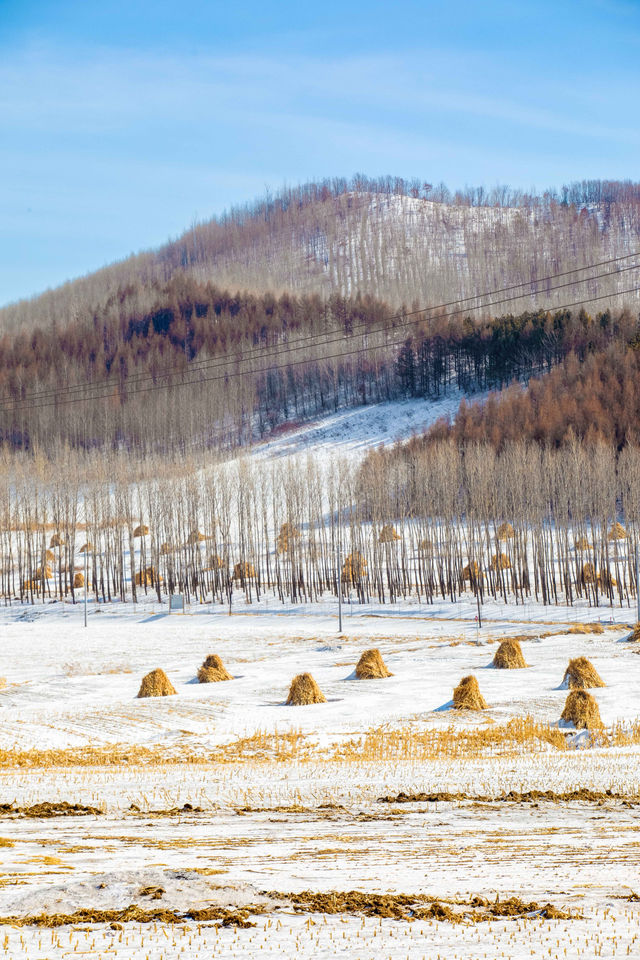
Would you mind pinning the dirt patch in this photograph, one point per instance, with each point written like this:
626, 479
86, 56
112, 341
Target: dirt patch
583, 794
135, 914
47, 809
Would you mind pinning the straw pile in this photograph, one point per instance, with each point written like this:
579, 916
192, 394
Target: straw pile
586, 628
583, 544
371, 666
216, 562
467, 696
617, 532
195, 537
500, 561
505, 532
581, 674
165, 549
147, 578
304, 690
509, 655
56, 541
634, 636
213, 670
244, 571
471, 571
589, 573
581, 709
426, 545
156, 684
288, 534
87, 547
78, 581
49, 556
388, 534
141, 531
354, 567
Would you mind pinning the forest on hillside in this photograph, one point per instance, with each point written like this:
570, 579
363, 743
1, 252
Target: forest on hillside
200, 369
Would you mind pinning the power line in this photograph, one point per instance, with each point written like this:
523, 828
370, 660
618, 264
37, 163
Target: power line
214, 363
275, 367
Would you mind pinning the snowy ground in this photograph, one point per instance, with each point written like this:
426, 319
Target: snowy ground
265, 825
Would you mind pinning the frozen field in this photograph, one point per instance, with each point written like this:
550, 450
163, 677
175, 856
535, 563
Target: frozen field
282, 800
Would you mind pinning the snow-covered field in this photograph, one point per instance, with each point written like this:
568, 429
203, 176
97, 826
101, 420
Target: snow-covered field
311, 820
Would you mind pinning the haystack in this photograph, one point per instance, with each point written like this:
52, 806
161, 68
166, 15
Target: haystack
634, 636
509, 655
617, 532
583, 544
48, 573
49, 556
581, 709
581, 674
147, 578
56, 541
505, 532
195, 537
213, 670
244, 571
371, 666
288, 534
141, 531
156, 684
500, 561
606, 581
78, 581
467, 696
304, 690
87, 547
354, 567
471, 571
165, 549
589, 573
388, 534
216, 562
426, 545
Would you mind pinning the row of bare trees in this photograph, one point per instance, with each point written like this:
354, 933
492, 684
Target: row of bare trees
445, 523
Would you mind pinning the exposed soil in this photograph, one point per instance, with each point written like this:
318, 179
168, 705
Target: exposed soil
530, 796
47, 809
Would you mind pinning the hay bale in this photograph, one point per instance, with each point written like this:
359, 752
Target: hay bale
471, 571
500, 561
87, 547
581, 709
304, 690
617, 532
467, 696
354, 567
141, 531
634, 636
195, 537
213, 670
583, 544
56, 541
148, 577
244, 571
509, 655
78, 581
505, 532
581, 674
371, 666
156, 684
388, 534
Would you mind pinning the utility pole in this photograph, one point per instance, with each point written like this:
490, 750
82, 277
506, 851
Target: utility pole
339, 576
86, 578
638, 583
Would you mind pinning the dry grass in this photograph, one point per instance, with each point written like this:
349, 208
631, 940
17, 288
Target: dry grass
509, 655
213, 670
304, 691
467, 696
581, 709
3, 682
634, 636
521, 736
580, 675
371, 666
156, 684
586, 628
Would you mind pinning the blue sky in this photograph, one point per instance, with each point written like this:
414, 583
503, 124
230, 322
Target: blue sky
122, 122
